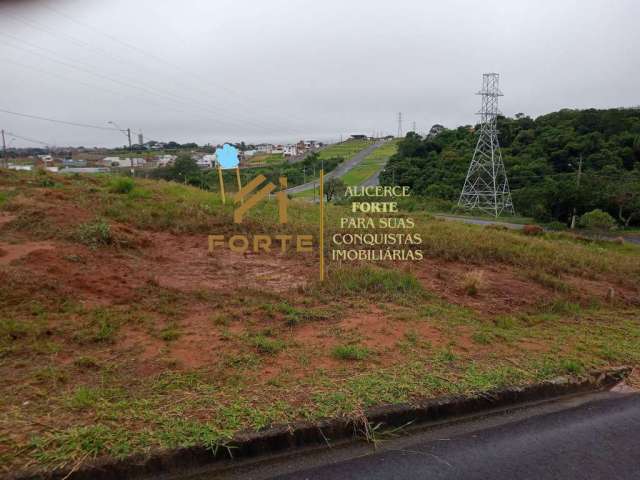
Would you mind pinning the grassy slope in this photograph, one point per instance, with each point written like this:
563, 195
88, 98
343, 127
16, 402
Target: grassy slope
367, 336
371, 164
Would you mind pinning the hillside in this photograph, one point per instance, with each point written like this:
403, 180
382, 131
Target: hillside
121, 334
542, 158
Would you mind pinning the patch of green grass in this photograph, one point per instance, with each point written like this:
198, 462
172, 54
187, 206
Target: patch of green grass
170, 333
87, 363
296, 315
350, 352
552, 282
101, 325
83, 398
121, 185
96, 233
384, 284
267, 345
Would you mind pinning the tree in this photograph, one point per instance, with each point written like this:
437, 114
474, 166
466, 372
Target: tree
626, 199
334, 188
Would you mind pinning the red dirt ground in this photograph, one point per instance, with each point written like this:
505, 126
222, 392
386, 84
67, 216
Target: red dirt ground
112, 276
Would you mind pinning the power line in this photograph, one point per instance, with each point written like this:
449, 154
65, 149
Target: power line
27, 139
157, 93
103, 52
64, 122
145, 53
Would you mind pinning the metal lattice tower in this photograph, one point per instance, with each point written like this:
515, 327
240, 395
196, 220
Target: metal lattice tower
486, 187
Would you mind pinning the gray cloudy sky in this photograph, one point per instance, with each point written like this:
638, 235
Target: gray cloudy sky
281, 70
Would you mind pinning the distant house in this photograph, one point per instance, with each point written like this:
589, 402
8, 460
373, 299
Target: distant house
70, 162
164, 160
207, 161
123, 162
277, 149
110, 161
264, 148
290, 150
359, 137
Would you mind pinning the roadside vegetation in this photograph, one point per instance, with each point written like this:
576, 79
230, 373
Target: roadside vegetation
120, 335
544, 158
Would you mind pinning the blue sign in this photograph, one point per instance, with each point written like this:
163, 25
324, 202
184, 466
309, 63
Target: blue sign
227, 156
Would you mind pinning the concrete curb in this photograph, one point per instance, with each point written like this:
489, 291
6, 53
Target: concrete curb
284, 438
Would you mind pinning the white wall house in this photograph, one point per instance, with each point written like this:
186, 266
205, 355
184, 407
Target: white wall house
207, 161
290, 150
264, 148
123, 162
164, 160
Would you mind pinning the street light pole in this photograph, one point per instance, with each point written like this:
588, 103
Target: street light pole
5, 161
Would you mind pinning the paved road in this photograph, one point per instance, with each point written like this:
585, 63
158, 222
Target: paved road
516, 226
590, 437
478, 221
599, 440
341, 169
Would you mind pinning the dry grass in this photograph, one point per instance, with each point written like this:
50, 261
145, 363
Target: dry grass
473, 282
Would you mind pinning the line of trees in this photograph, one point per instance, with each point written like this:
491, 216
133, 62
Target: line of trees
543, 158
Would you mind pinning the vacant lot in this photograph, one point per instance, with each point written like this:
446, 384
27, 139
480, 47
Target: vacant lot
120, 334
370, 165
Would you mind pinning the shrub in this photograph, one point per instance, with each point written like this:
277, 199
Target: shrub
597, 220
95, 233
121, 185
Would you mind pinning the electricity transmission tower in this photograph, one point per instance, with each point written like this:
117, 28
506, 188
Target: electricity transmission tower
486, 187
399, 124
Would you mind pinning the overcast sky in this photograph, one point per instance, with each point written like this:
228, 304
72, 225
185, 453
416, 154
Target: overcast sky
280, 70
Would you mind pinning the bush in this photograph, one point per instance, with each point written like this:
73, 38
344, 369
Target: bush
94, 234
121, 185
597, 220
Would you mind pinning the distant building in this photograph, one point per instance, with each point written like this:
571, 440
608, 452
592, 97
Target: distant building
359, 137
70, 162
277, 149
26, 168
164, 160
264, 148
123, 162
85, 170
290, 150
207, 161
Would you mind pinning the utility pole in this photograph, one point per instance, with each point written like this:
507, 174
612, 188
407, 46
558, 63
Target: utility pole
414, 127
5, 162
573, 217
399, 124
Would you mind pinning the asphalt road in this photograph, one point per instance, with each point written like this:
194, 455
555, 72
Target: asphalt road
478, 221
590, 437
341, 169
599, 440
